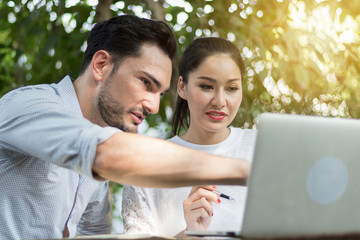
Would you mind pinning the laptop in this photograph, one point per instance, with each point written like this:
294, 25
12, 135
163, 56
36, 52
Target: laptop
304, 180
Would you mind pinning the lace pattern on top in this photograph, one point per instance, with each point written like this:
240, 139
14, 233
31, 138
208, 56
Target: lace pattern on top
136, 212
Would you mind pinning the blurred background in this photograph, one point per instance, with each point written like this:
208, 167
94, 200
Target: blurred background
301, 56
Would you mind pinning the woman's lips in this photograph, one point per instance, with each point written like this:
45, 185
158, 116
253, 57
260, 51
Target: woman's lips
215, 115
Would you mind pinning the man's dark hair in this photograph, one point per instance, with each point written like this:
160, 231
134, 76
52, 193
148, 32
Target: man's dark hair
124, 35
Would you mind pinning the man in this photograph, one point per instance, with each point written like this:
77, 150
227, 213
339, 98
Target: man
60, 142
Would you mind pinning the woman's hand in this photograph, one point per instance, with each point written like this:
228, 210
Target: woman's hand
198, 208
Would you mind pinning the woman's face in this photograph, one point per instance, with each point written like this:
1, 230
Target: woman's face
213, 93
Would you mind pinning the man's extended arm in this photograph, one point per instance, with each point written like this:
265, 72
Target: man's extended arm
129, 158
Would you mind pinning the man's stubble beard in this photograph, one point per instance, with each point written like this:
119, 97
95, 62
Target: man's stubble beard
110, 111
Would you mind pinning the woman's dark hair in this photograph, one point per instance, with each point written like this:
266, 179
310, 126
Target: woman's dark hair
124, 35
194, 55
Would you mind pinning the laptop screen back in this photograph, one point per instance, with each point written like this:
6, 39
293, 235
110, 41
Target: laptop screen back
305, 177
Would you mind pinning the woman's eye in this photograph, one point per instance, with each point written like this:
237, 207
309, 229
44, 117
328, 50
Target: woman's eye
233, 89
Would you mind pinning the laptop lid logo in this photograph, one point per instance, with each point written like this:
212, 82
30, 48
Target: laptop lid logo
327, 180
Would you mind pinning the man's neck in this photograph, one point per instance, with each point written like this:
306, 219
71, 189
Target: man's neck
86, 89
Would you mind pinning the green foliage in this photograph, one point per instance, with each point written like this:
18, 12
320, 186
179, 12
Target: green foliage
44, 51
288, 68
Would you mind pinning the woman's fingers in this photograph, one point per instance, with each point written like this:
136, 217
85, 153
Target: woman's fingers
198, 208
208, 187
201, 203
201, 192
197, 219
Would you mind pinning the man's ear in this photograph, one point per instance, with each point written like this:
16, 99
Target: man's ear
181, 86
101, 65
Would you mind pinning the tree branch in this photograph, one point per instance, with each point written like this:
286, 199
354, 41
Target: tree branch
103, 11
157, 9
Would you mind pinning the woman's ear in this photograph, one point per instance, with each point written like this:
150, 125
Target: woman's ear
101, 65
181, 87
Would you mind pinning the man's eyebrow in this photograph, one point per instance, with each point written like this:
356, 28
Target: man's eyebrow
157, 83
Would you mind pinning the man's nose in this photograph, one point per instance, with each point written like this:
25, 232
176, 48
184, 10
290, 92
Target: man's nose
152, 103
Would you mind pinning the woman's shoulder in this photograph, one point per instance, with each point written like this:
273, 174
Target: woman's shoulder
243, 131
176, 139
242, 136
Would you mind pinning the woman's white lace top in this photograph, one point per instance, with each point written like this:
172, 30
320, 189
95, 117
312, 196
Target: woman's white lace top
159, 211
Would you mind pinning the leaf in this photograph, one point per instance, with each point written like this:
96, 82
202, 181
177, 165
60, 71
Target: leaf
302, 77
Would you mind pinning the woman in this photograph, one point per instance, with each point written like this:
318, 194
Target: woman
210, 92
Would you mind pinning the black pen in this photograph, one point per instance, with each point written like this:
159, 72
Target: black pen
223, 195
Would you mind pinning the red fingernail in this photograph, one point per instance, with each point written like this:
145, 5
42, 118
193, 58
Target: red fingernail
214, 186
212, 214
219, 201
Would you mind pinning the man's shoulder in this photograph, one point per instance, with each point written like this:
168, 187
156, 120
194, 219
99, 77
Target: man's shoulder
38, 90
31, 90
41, 98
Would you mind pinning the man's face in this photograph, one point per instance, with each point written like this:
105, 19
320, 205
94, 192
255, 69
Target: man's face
133, 91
